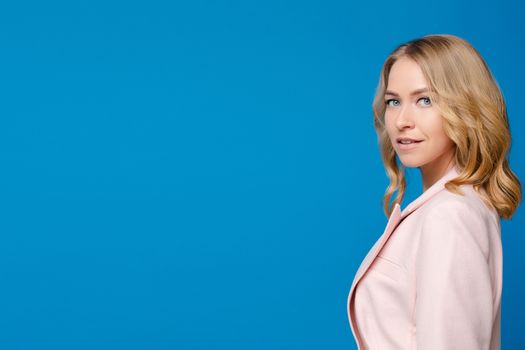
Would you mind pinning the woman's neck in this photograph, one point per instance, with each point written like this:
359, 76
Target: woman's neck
434, 170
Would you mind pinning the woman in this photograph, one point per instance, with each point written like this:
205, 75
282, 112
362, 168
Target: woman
433, 280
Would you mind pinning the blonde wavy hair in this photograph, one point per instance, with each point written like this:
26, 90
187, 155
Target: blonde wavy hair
474, 117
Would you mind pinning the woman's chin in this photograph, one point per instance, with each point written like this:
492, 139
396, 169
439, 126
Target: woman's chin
410, 163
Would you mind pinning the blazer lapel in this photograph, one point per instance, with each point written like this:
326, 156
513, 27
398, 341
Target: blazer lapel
393, 221
395, 218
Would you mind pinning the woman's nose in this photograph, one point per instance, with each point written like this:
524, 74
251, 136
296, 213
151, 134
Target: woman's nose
404, 118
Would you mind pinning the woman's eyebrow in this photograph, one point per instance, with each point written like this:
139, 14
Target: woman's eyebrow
415, 92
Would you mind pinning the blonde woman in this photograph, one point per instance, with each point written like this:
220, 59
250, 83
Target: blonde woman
433, 280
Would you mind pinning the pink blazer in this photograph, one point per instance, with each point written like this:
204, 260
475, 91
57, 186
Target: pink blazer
433, 280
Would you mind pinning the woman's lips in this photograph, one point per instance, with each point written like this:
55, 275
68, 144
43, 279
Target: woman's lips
408, 146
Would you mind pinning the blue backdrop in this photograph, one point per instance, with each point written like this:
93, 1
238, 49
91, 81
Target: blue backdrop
205, 174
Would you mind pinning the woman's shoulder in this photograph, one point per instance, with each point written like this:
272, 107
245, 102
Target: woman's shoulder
460, 222
451, 217
466, 206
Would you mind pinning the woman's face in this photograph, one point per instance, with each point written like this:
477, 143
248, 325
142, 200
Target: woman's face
411, 114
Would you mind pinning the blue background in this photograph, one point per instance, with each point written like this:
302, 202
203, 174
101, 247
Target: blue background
205, 175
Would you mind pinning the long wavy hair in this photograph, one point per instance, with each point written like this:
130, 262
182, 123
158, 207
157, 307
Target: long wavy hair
474, 118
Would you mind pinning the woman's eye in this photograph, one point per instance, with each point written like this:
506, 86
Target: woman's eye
394, 102
427, 103
387, 102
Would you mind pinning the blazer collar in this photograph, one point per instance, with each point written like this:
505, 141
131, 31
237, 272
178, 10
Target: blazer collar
430, 192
